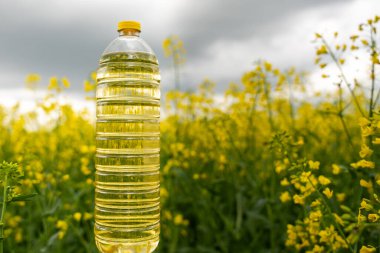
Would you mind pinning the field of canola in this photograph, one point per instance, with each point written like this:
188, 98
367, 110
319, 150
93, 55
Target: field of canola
277, 168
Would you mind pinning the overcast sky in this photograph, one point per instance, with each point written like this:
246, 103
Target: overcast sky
222, 37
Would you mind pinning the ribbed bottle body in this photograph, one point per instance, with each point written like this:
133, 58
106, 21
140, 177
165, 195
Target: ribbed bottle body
127, 206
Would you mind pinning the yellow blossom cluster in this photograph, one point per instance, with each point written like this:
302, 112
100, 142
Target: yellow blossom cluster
270, 165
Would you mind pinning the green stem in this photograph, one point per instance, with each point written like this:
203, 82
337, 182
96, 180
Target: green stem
3, 207
176, 73
344, 78
177, 86
269, 105
273, 179
345, 128
373, 52
83, 242
377, 98
273, 233
251, 133
341, 117
291, 107
331, 215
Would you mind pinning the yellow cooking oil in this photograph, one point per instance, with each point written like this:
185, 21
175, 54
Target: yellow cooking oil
127, 201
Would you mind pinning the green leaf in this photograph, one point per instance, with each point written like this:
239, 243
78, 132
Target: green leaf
24, 197
37, 189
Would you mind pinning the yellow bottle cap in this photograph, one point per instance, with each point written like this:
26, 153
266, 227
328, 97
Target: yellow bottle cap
129, 25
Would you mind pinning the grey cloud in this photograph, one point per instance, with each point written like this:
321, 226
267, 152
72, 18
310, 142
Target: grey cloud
210, 21
67, 38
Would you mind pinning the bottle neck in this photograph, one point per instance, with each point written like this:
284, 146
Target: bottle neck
129, 32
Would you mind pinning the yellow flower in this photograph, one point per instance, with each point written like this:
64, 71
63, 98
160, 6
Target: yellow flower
65, 82
77, 216
166, 44
61, 224
167, 215
61, 234
178, 219
365, 151
373, 217
369, 249
222, 159
375, 59
340, 197
85, 170
267, 66
84, 149
305, 176
354, 37
31, 80
322, 50
292, 235
88, 86
163, 192
365, 205
53, 83
285, 197
323, 180
363, 122
300, 141
284, 182
66, 177
362, 218
365, 184
315, 216
336, 170
93, 75
298, 199
328, 192
376, 141
338, 219
315, 203
363, 164
318, 249
325, 235
314, 165
84, 161
87, 216
367, 131
276, 72
14, 221
279, 168
18, 235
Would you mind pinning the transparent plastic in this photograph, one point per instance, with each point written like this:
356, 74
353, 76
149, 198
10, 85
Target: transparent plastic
127, 201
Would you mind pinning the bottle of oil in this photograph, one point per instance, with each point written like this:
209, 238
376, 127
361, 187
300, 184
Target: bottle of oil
127, 211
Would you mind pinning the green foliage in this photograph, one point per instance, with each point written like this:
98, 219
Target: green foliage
272, 168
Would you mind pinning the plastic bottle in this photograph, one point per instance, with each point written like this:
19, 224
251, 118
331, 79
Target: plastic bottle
127, 211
